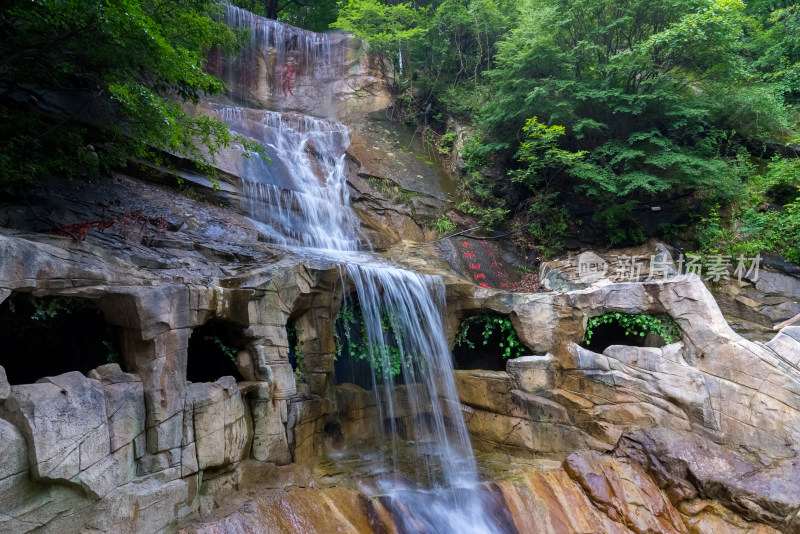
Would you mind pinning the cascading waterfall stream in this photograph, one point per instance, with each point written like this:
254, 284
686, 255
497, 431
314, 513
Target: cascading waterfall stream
414, 304
301, 200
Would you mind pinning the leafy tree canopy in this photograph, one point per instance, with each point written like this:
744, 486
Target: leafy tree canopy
113, 75
599, 106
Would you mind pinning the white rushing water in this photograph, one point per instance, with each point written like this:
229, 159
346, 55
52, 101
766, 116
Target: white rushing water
291, 45
302, 199
413, 305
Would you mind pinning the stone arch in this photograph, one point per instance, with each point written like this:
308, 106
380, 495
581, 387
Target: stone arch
212, 351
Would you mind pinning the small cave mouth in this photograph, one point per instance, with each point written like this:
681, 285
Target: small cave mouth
49, 336
212, 352
485, 342
611, 333
347, 366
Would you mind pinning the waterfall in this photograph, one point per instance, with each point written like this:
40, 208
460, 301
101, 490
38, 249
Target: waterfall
290, 68
293, 45
413, 305
301, 200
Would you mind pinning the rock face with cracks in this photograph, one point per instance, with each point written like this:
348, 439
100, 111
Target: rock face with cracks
697, 436
701, 435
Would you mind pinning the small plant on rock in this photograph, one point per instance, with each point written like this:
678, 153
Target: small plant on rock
638, 324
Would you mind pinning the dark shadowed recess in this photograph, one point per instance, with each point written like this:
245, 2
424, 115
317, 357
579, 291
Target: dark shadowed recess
48, 336
212, 352
485, 356
607, 334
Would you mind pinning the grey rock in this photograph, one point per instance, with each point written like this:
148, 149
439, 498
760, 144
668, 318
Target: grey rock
269, 432
14, 459
5, 387
124, 396
63, 419
686, 465
775, 283
220, 428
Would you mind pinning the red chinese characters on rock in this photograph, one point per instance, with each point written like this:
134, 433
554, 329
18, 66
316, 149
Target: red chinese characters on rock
496, 267
474, 266
287, 73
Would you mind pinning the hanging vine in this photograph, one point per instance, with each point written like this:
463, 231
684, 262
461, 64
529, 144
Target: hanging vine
350, 335
510, 343
638, 324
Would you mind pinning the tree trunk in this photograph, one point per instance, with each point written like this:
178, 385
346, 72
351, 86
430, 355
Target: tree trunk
271, 8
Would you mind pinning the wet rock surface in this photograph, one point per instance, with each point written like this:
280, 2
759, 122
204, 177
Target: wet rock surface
726, 407
701, 435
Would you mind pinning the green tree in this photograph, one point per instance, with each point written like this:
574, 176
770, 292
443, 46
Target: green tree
655, 93
386, 29
314, 15
115, 74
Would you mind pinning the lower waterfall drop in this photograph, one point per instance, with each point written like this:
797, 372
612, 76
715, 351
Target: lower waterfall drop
403, 310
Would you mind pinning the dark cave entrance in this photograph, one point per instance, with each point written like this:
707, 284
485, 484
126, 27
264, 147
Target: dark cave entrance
348, 367
613, 333
485, 342
49, 336
296, 350
212, 352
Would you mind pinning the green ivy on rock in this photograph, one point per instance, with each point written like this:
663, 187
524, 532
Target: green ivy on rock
350, 335
637, 325
510, 344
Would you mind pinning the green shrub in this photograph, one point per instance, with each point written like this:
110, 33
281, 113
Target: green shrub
444, 225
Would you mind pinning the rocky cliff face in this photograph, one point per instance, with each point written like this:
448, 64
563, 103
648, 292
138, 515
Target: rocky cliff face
704, 431
700, 435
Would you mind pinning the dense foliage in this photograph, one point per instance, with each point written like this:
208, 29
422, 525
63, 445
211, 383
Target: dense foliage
314, 15
87, 83
387, 359
599, 110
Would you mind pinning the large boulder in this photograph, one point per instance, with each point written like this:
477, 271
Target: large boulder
688, 466
64, 421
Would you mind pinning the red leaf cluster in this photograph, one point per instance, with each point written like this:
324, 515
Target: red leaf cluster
79, 231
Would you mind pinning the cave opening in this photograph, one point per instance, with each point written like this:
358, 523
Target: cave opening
613, 333
348, 366
485, 342
49, 336
212, 352
297, 352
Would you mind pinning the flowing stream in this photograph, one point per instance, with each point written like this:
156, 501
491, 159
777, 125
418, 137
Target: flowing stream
301, 200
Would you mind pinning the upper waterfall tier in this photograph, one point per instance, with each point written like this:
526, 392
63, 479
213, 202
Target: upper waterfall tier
289, 69
301, 199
